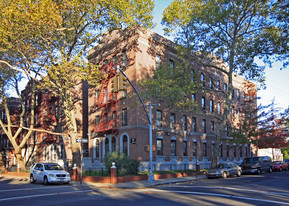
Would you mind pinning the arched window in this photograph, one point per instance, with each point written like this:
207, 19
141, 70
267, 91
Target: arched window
96, 149
106, 146
113, 144
124, 144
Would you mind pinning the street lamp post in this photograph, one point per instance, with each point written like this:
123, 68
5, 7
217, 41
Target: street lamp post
151, 177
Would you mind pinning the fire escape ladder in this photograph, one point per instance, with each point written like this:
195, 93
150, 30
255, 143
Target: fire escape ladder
107, 103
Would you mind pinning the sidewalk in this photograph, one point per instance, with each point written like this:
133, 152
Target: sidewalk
127, 185
142, 184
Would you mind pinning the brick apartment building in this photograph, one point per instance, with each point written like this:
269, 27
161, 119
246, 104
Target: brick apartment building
112, 118
116, 124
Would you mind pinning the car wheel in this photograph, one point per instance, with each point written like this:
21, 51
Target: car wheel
45, 181
258, 171
224, 175
239, 173
32, 180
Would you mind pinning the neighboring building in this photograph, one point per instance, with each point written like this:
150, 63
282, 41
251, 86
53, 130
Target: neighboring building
180, 138
14, 107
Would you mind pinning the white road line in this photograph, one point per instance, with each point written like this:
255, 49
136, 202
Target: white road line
43, 195
27, 189
227, 196
233, 188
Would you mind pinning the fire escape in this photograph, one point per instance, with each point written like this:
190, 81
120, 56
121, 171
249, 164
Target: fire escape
106, 101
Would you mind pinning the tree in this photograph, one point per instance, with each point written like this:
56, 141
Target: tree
54, 39
236, 32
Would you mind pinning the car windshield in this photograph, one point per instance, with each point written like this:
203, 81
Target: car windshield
251, 160
220, 166
52, 167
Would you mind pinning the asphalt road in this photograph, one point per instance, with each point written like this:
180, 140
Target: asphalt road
265, 189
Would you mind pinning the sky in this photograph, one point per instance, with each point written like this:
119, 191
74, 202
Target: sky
277, 81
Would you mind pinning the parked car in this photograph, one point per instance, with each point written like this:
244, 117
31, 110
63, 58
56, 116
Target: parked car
287, 161
257, 165
280, 166
48, 173
224, 170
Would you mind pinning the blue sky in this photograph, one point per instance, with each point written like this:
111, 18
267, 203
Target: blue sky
277, 81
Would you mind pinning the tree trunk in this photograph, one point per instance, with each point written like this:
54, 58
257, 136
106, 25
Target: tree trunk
20, 160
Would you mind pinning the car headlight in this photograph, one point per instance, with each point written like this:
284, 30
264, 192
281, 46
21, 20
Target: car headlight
51, 175
218, 172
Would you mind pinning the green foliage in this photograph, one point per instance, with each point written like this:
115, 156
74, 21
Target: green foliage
285, 153
124, 165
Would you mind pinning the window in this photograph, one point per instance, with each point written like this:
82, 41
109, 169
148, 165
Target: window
193, 98
246, 151
106, 146
233, 114
221, 149
97, 149
185, 123
172, 64
211, 83
203, 103
225, 87
96, 96
244, 95
205, 149
124, 117
194, 124
239, 111
233, 93
159, 118
192, 75
203, 80
172, 121
114, 59
114, 119
97, 120
158, 61
159, 147
238, 94
234, 151
124, 144
124, 58
218, 85
211, 105
195, 152
212, 149
227, 130
204, 126
185, 148
212, 126
113, 144
227, 150
241, 153
105, 119
173, 147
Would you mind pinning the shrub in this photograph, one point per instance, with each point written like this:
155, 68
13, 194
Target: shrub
124, 165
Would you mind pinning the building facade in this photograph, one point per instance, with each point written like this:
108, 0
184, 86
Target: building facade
117, 121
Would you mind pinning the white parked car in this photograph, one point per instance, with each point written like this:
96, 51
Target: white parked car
48, 173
